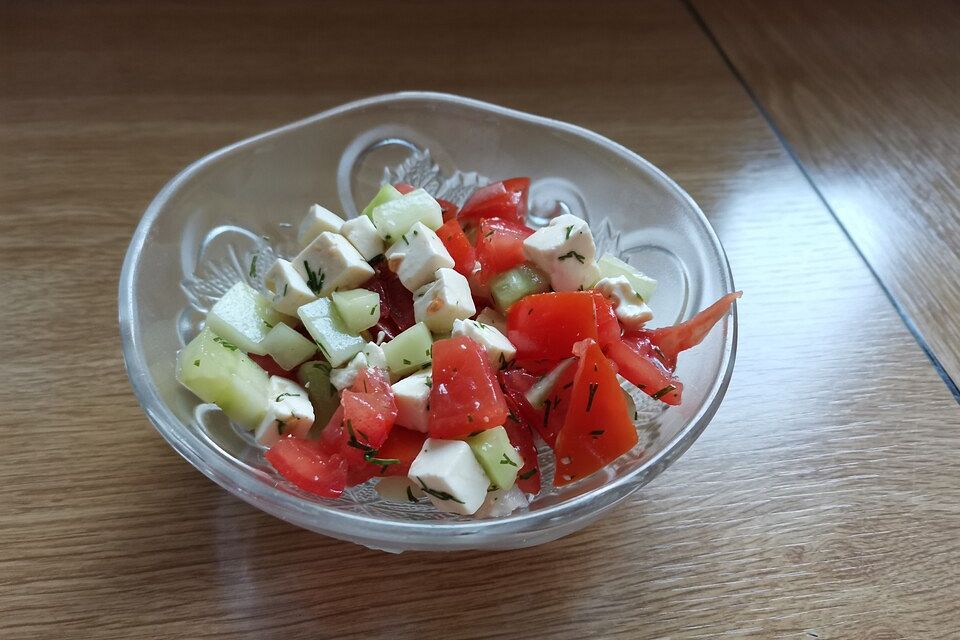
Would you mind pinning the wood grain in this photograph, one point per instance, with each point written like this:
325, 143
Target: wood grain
821, 502
866, 94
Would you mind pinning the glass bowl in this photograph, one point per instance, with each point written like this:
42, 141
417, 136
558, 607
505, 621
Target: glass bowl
234, 209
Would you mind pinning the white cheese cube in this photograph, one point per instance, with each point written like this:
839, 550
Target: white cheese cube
371, 356
397, 489
330, 263
450, 475
500, 351
395, 218
363, 236
412, 395
288, 411
502, 503
445, 300
564, 250
417, 256
631, 310
318, 220
494, 318
290, 291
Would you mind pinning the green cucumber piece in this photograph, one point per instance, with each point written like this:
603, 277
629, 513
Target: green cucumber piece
610, 267
325, 325
359, 308
387, 193
288, 347
314, 376
516, 283
394, 218
218, 371
496, 455
244, 318
410, 351
537, 394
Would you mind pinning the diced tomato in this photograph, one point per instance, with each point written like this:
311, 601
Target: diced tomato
270, 365
299, 462
369, 410
672, 340
500, 245
507, 200
465, 396
597, 429
396, 301
459, 248
448, 210
404, 445
637, 362
546, 420
404, 187
608, 327
545, 326
528, 478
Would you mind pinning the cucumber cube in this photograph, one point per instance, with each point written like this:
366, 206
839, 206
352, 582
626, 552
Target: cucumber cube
244, 317
409, 351
218, 371
500, 461
326, 326
315, 378
516, 283
610, 267
387, 193
359, 308
288, 347
394, 218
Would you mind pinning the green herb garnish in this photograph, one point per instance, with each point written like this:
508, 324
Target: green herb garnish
597, 433
572, 254
569, 229
507, 460
667, 389
593, 390
223, 343
286, 395
196, 363
314, 278
526, 475
410, 496
440, 495
253, 266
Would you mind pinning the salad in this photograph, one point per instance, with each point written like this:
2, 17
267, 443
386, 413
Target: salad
430, 348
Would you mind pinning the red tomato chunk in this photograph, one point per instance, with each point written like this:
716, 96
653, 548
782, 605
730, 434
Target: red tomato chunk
507, 200
465, 396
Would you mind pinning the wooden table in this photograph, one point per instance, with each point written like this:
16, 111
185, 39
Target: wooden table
822, 502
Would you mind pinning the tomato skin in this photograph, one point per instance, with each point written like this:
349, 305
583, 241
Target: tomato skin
396, 301
448, 210
459, 248
404, 187
521, 437
672, 340
597, 429
545, 326
637, 362
298, 461
608, 327
506, 199
465, 396
404, 445
500, 245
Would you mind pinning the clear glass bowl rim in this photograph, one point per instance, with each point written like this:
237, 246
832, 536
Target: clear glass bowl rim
346, 524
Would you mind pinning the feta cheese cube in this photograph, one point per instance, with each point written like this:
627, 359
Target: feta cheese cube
412, 395
494, 318
445, 300
330, 263
395, 218
397, 489
450, 475
631, 310
363, 236
417, 256
564, 250
371, 356
500, 351
288, 411
502, 503
290, 291
318, 220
